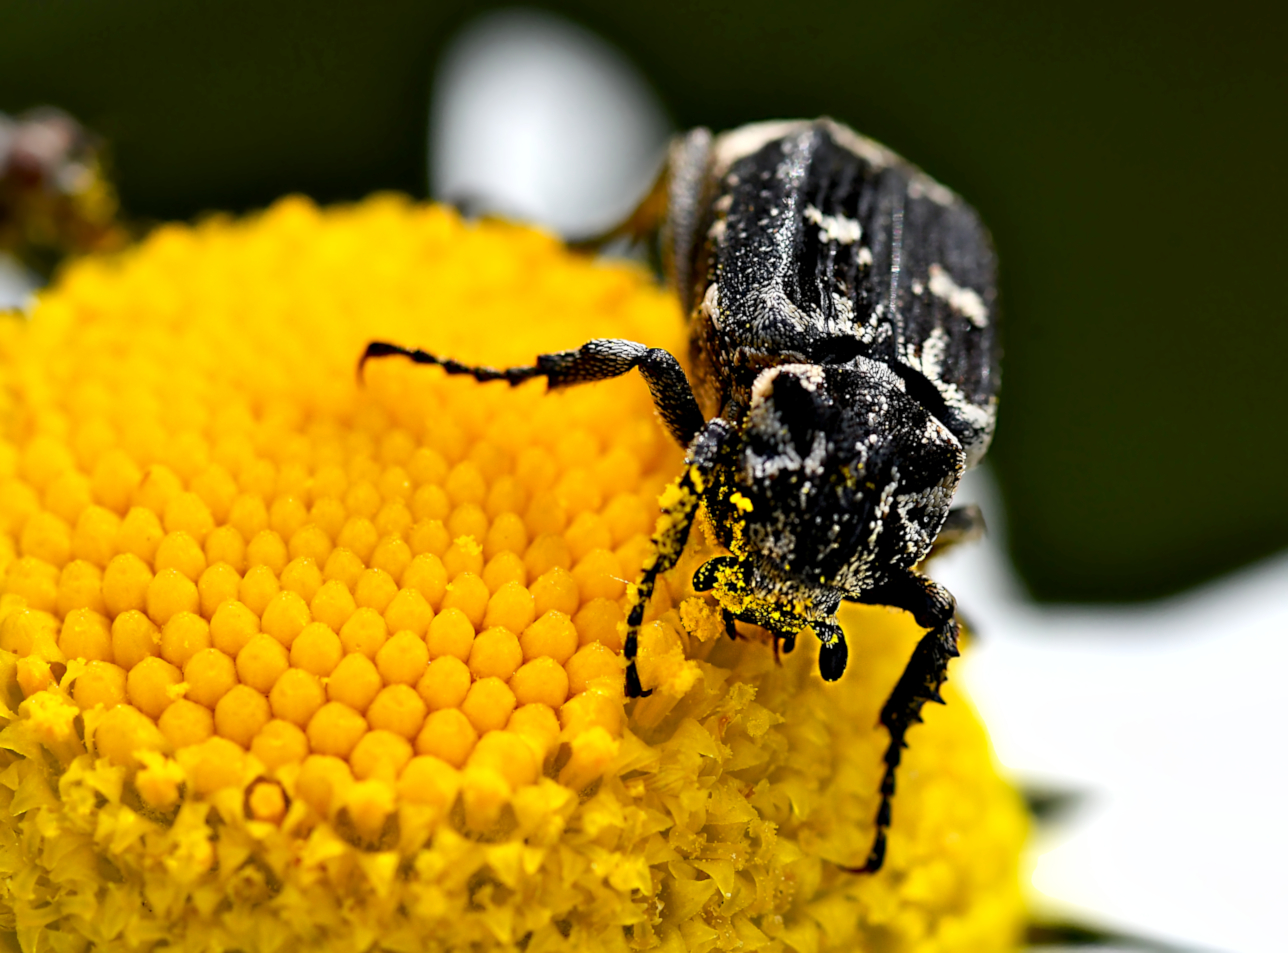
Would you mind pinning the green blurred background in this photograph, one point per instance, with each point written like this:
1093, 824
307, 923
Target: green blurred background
1129, 158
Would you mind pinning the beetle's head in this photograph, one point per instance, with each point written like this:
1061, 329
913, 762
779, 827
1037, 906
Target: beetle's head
846, 474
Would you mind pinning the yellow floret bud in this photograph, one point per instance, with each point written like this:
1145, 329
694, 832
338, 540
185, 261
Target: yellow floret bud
80, 586
445, 683
408, 611
355, 682
113, 481
397, 708
139, 533
375, 590
495, 653
451, 633
323, 782
169, 593
210, 675
240, 714
179, 550
332, 604
488, 704
392, 555
152, 685
380, 754
538, 725
463, 556
364, 633
427, 575
183, 636
302, 577
232, 626
267, 549
335, 729
595, 666
555, 591
505, 567
225, 545
101, 683
447, 735
123, 733
511, 606
218, 584
599, 574
215, 763
551, 636
543, 680
261, 663
285, 616
280, 743
403, 659
126, 582
158, 486
296, 696
48, 538
134, 638
316, 649
600, 620
186, 723
160, 781
259, 587
467, 593
86, 635
94, 538
429, 781
507, 534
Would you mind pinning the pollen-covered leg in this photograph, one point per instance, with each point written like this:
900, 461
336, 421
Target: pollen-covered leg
933, 607
596, 360
679, 509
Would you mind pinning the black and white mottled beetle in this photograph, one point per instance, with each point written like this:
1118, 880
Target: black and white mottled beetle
845, 373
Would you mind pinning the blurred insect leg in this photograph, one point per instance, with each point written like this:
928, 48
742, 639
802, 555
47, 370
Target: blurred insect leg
594, 361
643, 222
933, 607
965, 524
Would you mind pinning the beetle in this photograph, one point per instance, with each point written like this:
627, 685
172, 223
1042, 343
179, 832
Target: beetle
844, 359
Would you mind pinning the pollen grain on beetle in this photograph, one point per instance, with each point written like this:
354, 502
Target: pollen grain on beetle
288, 658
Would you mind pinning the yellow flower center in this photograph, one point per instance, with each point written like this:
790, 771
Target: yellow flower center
307, 659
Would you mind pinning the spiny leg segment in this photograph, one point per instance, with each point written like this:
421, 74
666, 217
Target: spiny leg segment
933, 607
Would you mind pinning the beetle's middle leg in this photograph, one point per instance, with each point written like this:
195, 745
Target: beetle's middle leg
964, 524
596, 360
933, 607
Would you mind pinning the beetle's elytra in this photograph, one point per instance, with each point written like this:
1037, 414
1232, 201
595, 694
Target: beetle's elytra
844, 355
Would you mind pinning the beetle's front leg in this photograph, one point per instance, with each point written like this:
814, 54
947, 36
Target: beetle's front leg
679, 509
933, 607
596, 360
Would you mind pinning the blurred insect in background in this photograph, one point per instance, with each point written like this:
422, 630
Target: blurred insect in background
844, 352
55, 197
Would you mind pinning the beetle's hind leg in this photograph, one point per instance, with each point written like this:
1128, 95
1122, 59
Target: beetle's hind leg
933, 607
597, 360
